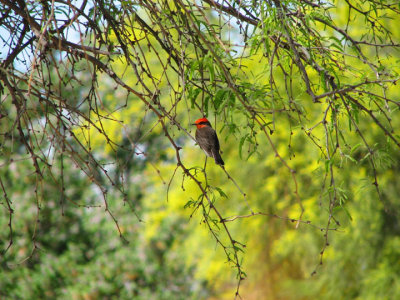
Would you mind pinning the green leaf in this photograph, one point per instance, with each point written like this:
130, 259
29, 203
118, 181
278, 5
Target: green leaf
347, 212
366, 156
190, 203
238, 249
242, 140
354, 148
219, 97
193, 93
328, 163
221, 192
193, 67
351, 158
209, 64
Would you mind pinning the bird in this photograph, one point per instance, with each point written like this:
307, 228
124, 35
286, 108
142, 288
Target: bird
207, 139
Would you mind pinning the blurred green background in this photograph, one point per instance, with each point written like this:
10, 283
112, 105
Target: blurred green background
77, 252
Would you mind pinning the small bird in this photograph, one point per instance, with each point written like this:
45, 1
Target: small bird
207, 139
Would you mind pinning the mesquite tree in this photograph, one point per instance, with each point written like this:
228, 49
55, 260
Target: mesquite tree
322, 68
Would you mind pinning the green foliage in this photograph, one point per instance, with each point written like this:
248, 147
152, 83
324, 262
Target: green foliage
79, 254
96, 150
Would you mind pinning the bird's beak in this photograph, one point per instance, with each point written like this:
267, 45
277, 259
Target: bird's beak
193, 124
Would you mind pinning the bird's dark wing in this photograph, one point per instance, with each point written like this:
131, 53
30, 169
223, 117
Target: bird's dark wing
207, 139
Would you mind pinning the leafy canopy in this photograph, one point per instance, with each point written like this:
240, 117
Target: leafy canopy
102, 94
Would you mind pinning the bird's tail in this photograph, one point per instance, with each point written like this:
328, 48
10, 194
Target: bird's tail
218, 159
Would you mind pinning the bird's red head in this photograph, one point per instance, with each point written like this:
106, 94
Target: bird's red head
203, 122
